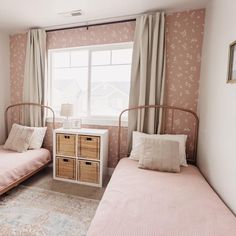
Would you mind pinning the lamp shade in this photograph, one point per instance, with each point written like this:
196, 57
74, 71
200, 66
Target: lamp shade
67, 109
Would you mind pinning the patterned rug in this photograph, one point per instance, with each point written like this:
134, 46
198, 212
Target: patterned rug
29, 211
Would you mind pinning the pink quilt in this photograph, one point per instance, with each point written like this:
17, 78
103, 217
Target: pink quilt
148, 203
14, 165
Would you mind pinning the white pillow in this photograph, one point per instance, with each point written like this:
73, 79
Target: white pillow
19, 138
36, 141
137, 141
159, 154
181, 138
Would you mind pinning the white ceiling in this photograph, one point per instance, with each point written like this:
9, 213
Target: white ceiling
19, 15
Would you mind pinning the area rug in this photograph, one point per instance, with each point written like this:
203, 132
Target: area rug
29, 211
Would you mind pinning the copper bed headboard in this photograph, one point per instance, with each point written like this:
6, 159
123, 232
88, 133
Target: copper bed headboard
19, 110
168, 126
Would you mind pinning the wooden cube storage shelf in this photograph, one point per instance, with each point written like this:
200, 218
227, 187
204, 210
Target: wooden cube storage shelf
80, 155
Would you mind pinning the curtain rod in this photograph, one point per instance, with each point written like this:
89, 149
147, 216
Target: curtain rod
91, 25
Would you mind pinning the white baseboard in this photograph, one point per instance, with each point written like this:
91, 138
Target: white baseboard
110, 171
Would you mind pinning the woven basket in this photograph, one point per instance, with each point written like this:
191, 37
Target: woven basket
88, 171
66, 144
89, 147
66, 168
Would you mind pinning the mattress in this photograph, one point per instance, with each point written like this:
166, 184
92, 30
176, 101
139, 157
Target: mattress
143, 202
14, 165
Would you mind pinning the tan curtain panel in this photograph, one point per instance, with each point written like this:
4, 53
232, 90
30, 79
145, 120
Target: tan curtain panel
34, 76
147, 73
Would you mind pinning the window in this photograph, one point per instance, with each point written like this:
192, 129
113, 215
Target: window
95, 79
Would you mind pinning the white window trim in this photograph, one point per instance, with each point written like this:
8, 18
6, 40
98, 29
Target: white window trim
90, 120
93, 121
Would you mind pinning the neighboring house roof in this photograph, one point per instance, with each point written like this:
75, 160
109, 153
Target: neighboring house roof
107, 88
98, 89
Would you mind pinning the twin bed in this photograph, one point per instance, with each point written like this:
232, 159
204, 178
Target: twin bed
16, 167
140, 202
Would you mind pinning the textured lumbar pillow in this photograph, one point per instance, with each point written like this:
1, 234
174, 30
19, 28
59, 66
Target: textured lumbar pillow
19, 138
159, 154
36, 141
181, 139
137, 143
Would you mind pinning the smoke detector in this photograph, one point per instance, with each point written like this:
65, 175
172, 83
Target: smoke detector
71, 13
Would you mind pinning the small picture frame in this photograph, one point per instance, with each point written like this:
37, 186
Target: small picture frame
232, 63
76, 124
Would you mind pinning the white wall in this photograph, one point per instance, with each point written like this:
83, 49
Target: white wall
217, 105
4, 80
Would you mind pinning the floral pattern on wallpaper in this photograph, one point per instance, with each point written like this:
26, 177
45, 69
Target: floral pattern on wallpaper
184, 33
184, 38
104, 34
17, 66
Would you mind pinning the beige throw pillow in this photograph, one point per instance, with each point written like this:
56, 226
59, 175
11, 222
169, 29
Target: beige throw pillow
137, 143
158, 154
19, 138
181, 139
36, 141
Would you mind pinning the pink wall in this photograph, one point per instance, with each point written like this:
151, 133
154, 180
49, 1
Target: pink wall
184, 42
184, 35
17, 62
116, 33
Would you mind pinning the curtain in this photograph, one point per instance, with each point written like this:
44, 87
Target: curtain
34, 76
147, 73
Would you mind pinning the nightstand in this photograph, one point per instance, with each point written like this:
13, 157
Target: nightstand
80, 155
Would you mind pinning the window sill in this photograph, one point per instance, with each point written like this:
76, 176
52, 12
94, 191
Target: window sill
93, 121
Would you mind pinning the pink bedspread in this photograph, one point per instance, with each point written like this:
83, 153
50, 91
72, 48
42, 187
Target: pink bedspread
14, 165
143, 202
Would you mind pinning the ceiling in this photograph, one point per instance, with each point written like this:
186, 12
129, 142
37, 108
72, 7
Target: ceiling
17, 16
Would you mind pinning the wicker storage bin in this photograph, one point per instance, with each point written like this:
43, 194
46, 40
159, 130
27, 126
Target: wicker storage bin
66, 144
88, 171
89, 147
66, 167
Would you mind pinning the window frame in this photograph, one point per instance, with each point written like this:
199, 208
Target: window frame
89, 119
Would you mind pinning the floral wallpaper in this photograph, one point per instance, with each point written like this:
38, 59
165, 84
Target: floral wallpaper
104, 34
184, 34
17, 62
184, 38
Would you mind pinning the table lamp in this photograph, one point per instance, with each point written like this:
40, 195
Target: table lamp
67, 111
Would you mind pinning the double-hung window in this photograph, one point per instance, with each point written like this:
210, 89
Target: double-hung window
96, 79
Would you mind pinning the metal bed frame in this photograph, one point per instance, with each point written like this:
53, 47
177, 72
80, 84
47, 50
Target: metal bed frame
20, 110
192, 156
20, 107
